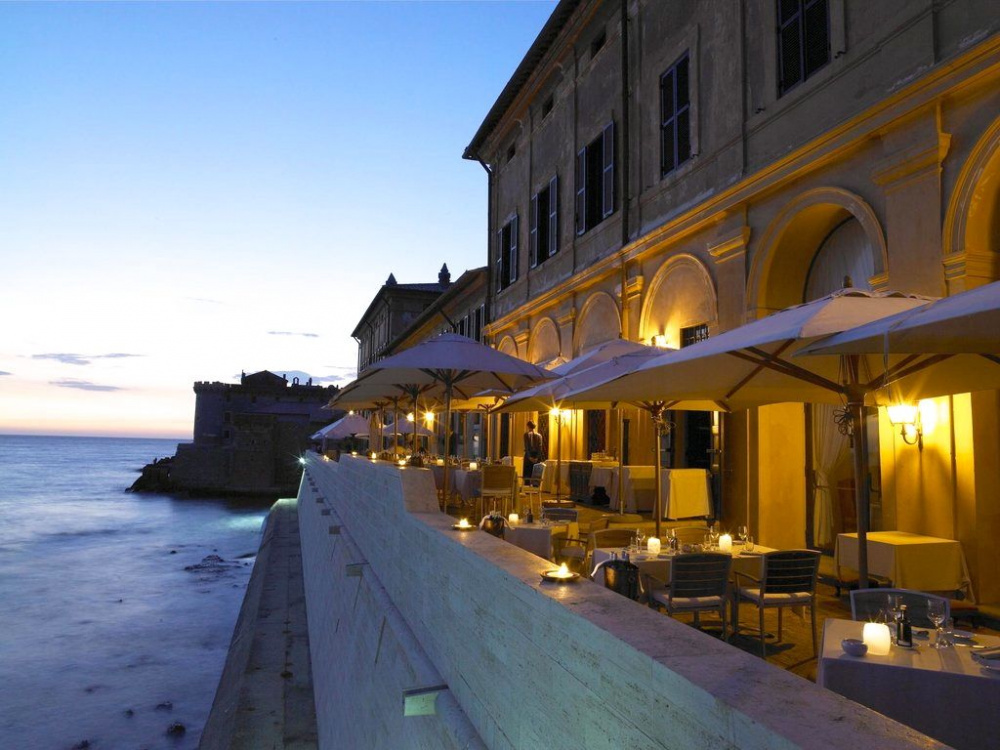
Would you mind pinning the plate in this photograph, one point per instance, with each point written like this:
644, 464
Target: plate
552, 575
963, 635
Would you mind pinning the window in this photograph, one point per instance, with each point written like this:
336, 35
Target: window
506, 262
478, 317
595, 181
675, 116
693, 334
511, 152
803, 40
544, 232
599, 40
547, 106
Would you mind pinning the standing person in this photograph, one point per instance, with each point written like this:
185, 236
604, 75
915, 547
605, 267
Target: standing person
532, 450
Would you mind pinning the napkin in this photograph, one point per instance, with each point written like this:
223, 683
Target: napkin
990, 654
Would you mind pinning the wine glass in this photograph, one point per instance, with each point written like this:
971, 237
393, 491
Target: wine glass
893, 602
935, 613
742, 532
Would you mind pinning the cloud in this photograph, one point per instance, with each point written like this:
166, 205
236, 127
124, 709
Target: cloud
293, 333
83, 385
68, 358
205, 300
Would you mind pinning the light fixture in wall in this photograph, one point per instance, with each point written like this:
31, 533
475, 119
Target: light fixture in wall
659, 341
907, 418
429, 418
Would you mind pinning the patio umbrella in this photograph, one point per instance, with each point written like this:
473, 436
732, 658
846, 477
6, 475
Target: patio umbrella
353, 425
449, 365
359, 395
752, 365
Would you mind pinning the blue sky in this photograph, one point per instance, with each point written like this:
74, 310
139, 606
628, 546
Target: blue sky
188, 190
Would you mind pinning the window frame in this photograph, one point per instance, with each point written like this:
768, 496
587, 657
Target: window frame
596, 162
506, 259
543, 228
798, 21
672, 122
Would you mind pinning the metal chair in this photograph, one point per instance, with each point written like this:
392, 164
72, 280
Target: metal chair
699, 582
788, 579
868, 604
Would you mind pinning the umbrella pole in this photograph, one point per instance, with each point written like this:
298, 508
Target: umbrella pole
861, 494
658, 503
447, 429
621, 460
558, 455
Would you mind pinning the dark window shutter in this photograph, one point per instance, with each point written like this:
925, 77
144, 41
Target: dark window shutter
668, 123
501, 251
789, 44
533, 232
816, 23
581, 191
513, 250
553, 216
608, 172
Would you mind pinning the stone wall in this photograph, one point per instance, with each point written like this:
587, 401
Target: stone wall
398, 601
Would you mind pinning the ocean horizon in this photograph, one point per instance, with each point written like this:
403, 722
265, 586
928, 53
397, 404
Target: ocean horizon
118, 608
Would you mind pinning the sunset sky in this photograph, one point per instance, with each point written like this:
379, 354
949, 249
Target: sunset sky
192, 190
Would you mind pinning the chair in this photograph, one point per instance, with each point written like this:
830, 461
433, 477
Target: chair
570, 548
531, 487
868, 604
560, 514
689, 534
622, 577
699, 582
499, 482
788, 579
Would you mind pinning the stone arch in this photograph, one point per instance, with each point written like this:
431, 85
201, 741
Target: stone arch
972, 220
507, 345
681, 293
599, 321
788, 246
544, 345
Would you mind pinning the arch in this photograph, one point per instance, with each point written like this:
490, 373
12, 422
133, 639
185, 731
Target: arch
972, 220
789, 244
544, 345
507, 345
682, 293
599, 321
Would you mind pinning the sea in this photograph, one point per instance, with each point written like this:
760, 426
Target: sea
116, 608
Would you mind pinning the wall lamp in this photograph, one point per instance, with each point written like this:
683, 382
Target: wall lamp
660, 341
907, 418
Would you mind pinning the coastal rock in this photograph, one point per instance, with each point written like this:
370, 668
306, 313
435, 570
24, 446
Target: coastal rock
176, 730
165, 706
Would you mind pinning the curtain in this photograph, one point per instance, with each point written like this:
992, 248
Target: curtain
829, 449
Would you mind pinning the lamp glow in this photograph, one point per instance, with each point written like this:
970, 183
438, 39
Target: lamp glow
876, 637
473, 466
402, 462
726, 543
373, 455
409, 417
464, 523
902, 414
660, 341
563, 572
653, 545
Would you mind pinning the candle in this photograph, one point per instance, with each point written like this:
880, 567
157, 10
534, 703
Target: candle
513, 518
440, 462
876, 637
725, 543
563, 572
653, 545
473, 466
464, 523
354, 453
373, 455
402, 462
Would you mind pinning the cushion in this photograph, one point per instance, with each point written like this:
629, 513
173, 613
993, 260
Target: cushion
775, 600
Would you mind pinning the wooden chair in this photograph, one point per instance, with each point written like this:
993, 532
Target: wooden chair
689, 534
699, 582
570, 548
788, 579
499, 482
867, 604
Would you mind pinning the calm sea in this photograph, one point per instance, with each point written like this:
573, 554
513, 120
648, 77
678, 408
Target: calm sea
114, 615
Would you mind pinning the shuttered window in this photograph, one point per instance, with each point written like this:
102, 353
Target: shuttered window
803, 40
506, 262
595, 181
544, 230
675, 116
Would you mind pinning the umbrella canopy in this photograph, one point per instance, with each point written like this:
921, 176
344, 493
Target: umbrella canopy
549, 394
752, 365
352, 425
406, 427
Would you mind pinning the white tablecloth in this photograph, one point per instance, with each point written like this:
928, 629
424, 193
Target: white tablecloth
942, 693
549, 477
659, 565
686, 493
910, 561
637, 488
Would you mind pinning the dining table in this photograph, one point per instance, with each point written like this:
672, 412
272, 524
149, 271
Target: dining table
535, 538
548, 483
465, 482
658, 565
946, 693
635, 484
910, 561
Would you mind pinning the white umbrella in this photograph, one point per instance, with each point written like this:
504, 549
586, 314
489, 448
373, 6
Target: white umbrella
751, 365
352, 425
406, 427
446, 366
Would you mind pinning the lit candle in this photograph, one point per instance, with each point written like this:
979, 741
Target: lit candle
402, 462
513, 518
563, 572
374, 455
876, 637
464, 523
725, 543
653, 545
473, 466
440, 462
354, 453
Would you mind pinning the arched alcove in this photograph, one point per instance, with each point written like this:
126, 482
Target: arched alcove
789, 245
681, 294
507, 345
971, 241
543, 346
599, 321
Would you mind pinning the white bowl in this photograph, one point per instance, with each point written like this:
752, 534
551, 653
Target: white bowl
854, 646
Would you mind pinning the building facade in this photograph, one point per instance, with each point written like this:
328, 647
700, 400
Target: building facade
667, 171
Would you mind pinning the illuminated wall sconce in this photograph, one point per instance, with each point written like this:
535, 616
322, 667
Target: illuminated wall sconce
409, 417
429, 418
907, 418
659, 341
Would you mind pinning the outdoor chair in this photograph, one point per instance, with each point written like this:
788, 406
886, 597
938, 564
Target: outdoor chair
560, 514
569, 547
498, 483
689, 534
868, 605
788, 579
531, 488
699, 582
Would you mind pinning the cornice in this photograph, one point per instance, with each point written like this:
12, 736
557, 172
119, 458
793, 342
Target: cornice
731, 247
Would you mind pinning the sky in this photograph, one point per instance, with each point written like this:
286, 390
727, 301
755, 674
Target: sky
193, 190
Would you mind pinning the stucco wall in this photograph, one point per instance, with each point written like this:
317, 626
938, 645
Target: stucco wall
397, 601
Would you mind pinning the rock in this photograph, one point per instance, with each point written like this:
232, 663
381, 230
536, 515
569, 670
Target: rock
82, 745
176, 730
129, 713
165, 706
